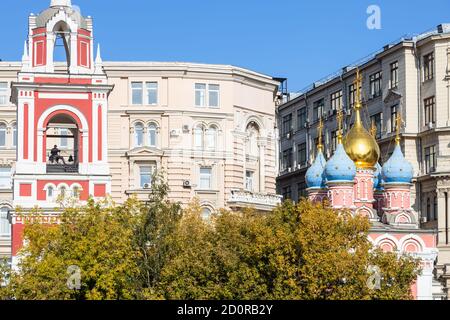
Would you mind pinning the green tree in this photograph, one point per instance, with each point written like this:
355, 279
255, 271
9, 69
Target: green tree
96, 239
303, 251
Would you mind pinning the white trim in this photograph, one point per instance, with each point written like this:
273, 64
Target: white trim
73, 96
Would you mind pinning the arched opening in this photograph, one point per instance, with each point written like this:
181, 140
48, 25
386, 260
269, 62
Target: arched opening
61, 47
62, 144
252, 175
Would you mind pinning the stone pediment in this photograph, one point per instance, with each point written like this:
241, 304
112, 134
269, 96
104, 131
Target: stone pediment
392, 96
144, 152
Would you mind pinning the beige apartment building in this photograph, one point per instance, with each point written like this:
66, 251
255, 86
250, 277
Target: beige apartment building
410, 77
209, 128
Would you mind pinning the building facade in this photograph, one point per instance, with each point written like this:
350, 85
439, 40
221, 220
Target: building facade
408, 78
209, 128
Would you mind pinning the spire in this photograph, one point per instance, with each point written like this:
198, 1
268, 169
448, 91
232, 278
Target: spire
98, 61
340, 117
398, 124
25, 58
60, 3
319, 142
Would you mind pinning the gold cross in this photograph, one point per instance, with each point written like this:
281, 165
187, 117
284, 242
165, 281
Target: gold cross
357, 83
399, 127
320, 128
339, 118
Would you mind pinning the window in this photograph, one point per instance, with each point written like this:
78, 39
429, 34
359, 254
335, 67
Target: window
5, 178
252, 147
14, 128
3, 93
352, 95
5, 226
2, 135
333, 142
336, 100
375, 84
152, 92
394, 118
301, 190
200, 94
301, 118
138, 135
318, 107
211, 137
287, 124
206, 214
137, 92
205, 178
198, 137
377, 119
152, 134
146, 175
50, 193
213, 95
430, 159
62, 192
429, 110
287, 193
428, 209
249, 180
150, 96
393, 82
428, 66
301, 154
287, 159
76, 192
435, 208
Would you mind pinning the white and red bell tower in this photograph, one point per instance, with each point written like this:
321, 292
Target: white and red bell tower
63, 105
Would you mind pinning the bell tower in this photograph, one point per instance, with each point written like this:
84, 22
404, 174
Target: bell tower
62, 110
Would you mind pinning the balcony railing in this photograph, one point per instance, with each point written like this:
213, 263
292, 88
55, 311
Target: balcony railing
62, 168
241, 198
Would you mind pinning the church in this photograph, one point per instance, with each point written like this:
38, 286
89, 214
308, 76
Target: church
352, 179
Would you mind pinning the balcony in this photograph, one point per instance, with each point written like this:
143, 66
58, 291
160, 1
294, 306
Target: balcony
248, 199
62, 168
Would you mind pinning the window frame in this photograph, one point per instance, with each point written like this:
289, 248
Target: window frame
136, 137
302, 147
302, 118
3, 219
5, 175
144, 174
393, 81
428, 66
429, 109
4, 93
394, 117
249, 180
379, 124
376, 84
336, 99
202, 176
287, 124
318, 105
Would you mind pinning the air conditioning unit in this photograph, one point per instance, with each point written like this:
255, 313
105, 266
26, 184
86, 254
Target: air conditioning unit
175, 133
289, 169
423, 220
306, 125
147, 185
187, 184
289, 135
431, 125
186, 128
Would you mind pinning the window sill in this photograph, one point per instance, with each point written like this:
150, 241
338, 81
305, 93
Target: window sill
206, 191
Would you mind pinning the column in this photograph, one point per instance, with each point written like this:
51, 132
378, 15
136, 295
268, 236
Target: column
262, 166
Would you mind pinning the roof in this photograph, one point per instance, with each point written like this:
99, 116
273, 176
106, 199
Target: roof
48, 14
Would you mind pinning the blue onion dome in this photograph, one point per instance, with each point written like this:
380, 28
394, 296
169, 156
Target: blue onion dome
340, 167
314, 175
397, 169
378, 178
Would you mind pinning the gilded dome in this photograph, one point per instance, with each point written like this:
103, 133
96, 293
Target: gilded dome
360, 145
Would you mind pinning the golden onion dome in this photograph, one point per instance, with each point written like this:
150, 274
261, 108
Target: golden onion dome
360, 145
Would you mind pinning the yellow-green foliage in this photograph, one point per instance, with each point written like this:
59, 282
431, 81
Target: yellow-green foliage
158, 251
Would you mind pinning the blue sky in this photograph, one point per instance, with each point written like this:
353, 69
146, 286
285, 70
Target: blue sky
300, 40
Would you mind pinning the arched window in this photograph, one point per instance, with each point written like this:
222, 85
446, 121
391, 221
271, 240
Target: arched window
76, 192
211, 137
5, 226
138, 135
2, 135
62, 192
198, 136
152, 135
50, 193
206, 213
14, 129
